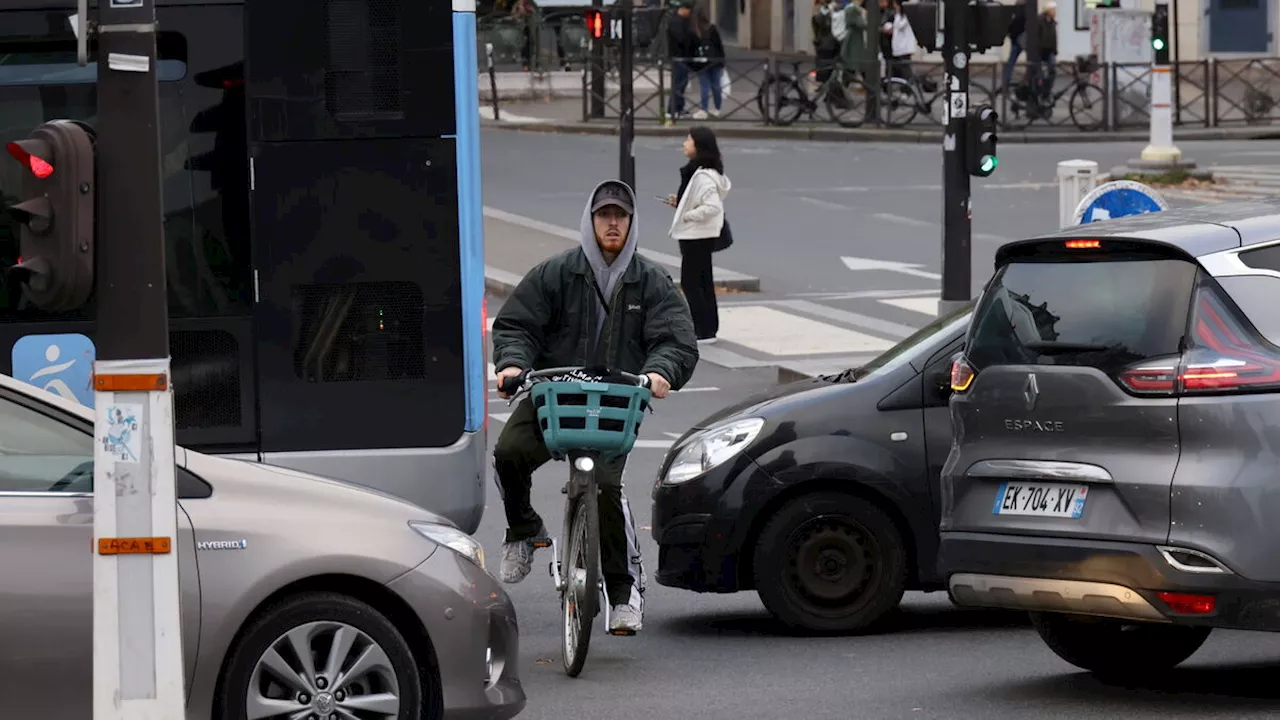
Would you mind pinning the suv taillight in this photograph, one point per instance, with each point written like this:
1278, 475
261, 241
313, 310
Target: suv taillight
1222, 356
962, 375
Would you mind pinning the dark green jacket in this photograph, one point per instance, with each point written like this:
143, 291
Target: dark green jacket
549, 321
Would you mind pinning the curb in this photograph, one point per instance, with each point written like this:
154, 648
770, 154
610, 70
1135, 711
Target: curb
832, 134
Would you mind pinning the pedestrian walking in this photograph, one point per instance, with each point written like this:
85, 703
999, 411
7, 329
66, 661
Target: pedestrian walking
699, 225
682, 45
711, 63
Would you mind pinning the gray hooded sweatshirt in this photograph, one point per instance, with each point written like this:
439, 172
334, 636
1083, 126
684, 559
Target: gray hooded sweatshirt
607, 275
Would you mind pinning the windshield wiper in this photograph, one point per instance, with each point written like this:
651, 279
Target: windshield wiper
1047, 347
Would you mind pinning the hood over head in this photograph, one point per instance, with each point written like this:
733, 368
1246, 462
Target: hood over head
607, 275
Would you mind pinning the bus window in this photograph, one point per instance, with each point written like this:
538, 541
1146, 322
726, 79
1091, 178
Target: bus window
204, 153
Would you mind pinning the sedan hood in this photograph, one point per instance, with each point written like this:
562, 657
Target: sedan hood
280, 489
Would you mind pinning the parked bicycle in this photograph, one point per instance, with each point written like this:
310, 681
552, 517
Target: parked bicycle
1087, 104
843, 94
904, 98
587, 416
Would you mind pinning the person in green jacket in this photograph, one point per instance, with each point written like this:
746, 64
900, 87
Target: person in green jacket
599, 305
856, 55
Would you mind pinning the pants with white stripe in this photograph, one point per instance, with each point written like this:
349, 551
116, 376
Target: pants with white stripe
519, 452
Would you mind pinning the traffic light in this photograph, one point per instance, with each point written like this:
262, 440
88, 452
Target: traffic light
980, 141
1160, 33
55, 215
598, 24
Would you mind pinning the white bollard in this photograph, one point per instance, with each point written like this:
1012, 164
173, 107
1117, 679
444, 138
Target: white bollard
1161, 147
1075, 179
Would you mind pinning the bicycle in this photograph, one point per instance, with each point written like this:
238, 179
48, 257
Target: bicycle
586, 419
1025, 109
792, 100
909, 94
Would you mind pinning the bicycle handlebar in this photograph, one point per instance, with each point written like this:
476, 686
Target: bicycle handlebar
512, 385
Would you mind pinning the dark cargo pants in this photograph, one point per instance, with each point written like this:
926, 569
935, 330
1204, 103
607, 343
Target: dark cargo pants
519, 452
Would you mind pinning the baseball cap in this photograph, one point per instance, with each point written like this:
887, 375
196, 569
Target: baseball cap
613, 193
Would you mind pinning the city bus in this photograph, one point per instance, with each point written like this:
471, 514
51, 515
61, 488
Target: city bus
323, 233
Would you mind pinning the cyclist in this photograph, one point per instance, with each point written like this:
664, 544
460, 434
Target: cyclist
597, 305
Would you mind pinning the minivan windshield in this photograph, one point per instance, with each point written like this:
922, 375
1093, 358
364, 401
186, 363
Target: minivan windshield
1103, 314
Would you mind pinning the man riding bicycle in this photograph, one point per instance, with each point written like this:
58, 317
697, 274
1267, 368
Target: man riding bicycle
598, 305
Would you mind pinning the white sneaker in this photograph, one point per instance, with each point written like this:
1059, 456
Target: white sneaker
625, 620
716, 113
700, 115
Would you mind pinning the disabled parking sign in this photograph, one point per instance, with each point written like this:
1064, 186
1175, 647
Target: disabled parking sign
61, 364
1119, 198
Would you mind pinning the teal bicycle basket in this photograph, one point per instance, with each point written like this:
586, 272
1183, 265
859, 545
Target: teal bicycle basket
576, 415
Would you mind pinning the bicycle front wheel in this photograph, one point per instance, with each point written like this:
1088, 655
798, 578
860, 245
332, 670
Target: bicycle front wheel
788, 104
580, 597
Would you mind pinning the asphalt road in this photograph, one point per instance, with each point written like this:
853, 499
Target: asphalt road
722, 657
797, 208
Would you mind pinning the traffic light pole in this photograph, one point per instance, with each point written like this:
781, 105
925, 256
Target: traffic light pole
956, 215
137, 649
597, 67
626, 72
1161, 147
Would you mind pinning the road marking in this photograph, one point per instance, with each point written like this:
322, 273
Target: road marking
827, 205
673, 436
671, 261
902, 220
781, 334
925, 305
884, 327
707, 388
857, 264
858, 294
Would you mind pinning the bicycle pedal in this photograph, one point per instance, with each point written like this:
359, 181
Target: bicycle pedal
541, 544
622, 633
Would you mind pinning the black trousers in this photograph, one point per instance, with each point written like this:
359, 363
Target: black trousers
520, 451
699, 286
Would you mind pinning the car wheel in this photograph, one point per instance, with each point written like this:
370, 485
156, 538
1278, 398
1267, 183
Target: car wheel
830, 563
1115, 648
321, 655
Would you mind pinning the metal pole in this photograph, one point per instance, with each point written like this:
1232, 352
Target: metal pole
626, 133
137, 633
597, 67
873, 69
955, 175
1161, 147
493, 79
1177, 67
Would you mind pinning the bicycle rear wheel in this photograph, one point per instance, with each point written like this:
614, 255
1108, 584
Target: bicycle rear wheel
789, 103
580, 597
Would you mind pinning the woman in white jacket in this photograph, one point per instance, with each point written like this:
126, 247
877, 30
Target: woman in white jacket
697, 225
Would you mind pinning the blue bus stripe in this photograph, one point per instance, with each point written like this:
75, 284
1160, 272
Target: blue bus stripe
470, 217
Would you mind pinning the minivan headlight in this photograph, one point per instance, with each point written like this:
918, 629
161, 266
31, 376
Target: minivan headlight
452, 538
710, 448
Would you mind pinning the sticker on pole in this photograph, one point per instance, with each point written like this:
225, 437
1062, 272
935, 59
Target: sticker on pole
1119, 198
122, 438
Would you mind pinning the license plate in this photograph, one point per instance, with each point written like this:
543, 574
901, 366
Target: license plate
1041, 499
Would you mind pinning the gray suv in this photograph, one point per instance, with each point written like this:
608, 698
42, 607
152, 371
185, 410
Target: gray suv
1115, 466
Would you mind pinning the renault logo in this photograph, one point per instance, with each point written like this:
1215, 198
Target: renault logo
1031, 391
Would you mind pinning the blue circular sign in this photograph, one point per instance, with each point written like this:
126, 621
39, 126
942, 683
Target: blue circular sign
1119, 198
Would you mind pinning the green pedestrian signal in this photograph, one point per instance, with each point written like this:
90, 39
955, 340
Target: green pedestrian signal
980, 141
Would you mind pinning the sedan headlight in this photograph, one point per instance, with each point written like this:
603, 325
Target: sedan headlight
710, 448
452, 538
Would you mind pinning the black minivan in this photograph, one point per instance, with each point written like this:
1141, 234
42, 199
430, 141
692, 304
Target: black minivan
822, 495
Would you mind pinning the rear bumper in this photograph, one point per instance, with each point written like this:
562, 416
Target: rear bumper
1091, 577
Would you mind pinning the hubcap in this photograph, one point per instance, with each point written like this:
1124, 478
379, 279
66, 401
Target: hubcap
323, 670
832, 563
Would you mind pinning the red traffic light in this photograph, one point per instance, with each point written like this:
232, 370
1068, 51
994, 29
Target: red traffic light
595, 23
29, 153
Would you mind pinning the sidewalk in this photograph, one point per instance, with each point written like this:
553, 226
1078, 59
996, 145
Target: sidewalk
564, 116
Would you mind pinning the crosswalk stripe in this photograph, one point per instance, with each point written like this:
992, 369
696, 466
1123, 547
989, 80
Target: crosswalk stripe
924, 305
766, 330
